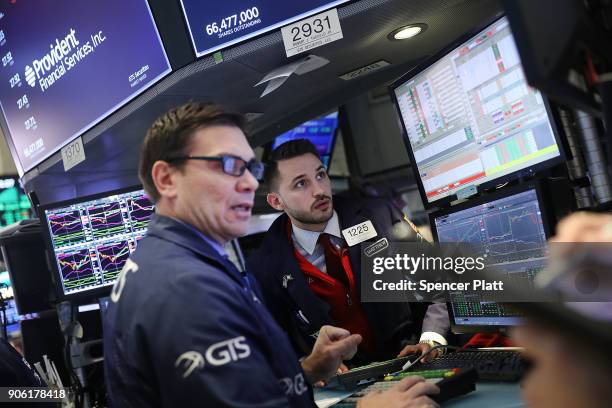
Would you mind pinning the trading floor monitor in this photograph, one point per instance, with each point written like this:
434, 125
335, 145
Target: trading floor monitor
91, 238
14, 203
470, 119
510, 229
320, 131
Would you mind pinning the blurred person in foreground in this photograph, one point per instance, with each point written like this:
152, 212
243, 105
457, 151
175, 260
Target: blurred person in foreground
570, 368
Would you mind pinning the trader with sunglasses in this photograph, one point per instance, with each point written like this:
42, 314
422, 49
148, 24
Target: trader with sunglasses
184, 326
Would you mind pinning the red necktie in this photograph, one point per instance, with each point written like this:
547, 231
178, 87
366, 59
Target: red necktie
333, 259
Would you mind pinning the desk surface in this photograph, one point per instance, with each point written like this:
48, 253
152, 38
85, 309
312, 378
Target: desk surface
494, 395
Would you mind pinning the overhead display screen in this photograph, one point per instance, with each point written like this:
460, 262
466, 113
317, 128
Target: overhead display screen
471, 118
68, 64
216, 25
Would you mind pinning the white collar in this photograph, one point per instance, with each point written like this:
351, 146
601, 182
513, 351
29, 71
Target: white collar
308, 239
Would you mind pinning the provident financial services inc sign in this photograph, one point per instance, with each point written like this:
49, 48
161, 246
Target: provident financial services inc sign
72, 64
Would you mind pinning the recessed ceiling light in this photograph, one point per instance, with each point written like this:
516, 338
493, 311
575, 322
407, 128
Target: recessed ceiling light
406, 32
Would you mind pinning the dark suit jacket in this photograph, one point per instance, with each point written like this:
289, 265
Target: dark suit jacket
301, 313
185, 328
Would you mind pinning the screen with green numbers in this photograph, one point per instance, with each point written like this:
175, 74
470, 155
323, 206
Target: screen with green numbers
14, 203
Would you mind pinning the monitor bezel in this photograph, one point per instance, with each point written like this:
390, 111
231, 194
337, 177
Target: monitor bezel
86, 295
525, 172
501, 193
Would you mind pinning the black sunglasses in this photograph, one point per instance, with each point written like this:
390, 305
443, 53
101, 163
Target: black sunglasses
232, 165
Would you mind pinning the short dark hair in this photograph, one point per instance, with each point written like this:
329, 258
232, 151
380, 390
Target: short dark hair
286, 151
171, 135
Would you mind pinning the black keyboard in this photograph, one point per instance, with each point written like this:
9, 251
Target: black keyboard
506, 366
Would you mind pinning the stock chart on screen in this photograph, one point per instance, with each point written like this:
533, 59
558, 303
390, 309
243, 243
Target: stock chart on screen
510, 233
471, 117
93, 239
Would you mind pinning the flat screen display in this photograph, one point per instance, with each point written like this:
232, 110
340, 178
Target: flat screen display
214, 25
470, 117
14, 203
93, 238
321, 132
68, 64
510, 231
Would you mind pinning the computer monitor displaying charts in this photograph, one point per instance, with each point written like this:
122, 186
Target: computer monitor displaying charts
92, 237
511, 231
471, 120
320, 131
14, 203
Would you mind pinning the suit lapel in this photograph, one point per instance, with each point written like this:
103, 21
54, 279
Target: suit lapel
292, 279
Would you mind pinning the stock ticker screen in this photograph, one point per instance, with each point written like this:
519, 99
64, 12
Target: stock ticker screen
471, 118
510, 232
93, 239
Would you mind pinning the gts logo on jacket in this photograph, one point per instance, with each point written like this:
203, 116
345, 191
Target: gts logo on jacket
217, 354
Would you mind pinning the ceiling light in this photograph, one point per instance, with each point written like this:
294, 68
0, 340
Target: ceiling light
406, 32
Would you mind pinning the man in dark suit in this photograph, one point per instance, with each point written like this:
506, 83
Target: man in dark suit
186, 328
310, 274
